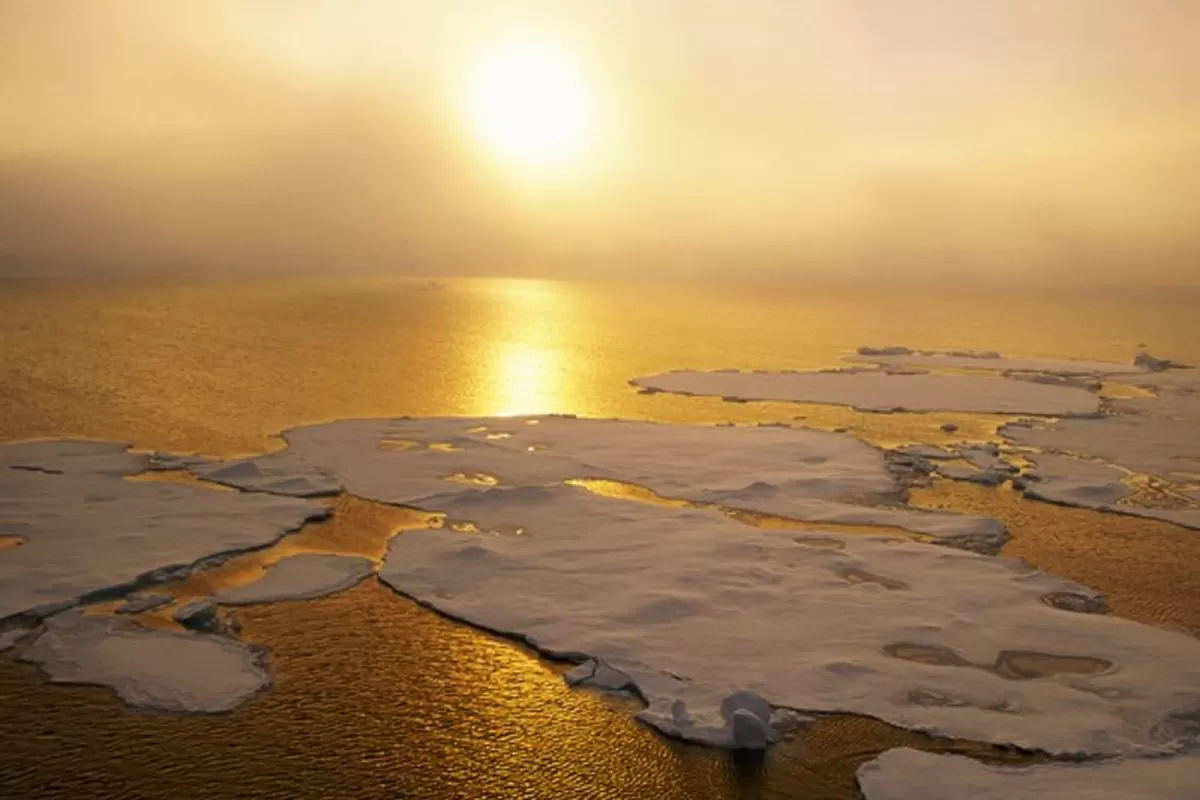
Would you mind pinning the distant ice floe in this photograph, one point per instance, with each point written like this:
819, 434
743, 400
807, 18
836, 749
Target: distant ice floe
800, 474
877, 390
905, 774
989, 360
89, 532
692, 608
1153, 442
150, 669
300, 577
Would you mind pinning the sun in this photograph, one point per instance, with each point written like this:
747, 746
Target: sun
530, 105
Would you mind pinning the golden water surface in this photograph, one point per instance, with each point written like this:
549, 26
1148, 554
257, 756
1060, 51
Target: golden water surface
378, 697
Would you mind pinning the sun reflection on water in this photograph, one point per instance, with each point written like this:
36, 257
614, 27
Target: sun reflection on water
526, 368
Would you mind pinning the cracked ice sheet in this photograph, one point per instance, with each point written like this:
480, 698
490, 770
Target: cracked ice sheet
905, 774
1157, 436
802, 474
300, 577
87, 530
151, 669
873, 390
693, 607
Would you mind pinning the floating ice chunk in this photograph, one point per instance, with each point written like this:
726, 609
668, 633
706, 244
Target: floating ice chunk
300, 577
89, 532
986, 477
905, 774
871, 390
692, 607
140, 602
1149, 363
1074, 482
927, 451
151, 669
282, 473
199, 615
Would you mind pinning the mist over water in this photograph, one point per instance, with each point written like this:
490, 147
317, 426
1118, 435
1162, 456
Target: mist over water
984, 142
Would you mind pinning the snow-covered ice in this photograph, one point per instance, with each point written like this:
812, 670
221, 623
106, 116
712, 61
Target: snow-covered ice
73, 457
694, 607
87, 530
877, 390
905, 774
1157, 436
151, 669
801, 474
989, 361
283, 474
300, 577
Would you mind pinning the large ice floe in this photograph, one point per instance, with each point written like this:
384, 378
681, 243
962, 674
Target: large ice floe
88, 532
878, 390
151, 669
903, 379
904, 774
800, 474
692, 608
722, 628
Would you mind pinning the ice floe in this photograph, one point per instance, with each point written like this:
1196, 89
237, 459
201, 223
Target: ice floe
800, 474
88, 531
151, 669
1156, 436
300, 577
989, 361
905, 774
877, 390
694, 608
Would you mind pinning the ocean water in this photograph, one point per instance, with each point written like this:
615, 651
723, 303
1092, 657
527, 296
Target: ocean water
377, 697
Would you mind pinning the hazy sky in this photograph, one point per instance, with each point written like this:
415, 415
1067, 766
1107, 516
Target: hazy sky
995, 138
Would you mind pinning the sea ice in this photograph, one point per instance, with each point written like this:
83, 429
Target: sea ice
989, 361
140, 602
876, 390
905, 774
694, 608
282, 473
152, 669
300, 577
1155, 436
801, 474
89, 531
73, 457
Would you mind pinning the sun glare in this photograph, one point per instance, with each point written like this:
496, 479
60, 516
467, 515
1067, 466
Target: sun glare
530, 105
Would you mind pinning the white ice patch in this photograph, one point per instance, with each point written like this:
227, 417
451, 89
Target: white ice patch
875, 390
300, 577
905, 774
694, 607
1157, 436
801, 474
151, 669
282, 473
87, 530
